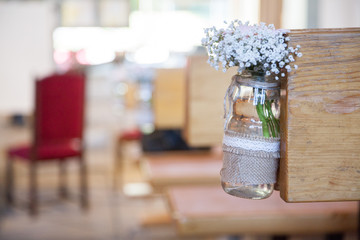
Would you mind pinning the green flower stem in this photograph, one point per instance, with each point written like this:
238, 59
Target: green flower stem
260, 112
270, 124
276, 121
272, 127
272, 118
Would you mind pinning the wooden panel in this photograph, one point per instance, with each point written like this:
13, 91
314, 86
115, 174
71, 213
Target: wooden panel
270, 12
208, 210
169, 98
320, 118
205, 95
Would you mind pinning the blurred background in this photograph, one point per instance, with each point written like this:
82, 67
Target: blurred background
129, 50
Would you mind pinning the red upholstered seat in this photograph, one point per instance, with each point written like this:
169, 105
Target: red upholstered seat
133, 134
48, 151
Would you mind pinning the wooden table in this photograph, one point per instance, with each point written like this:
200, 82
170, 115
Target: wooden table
207, 210
182, 168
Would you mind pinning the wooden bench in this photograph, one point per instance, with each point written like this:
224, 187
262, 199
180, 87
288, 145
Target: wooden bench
182, 168
207, 210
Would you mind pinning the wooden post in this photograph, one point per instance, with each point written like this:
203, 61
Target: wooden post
320, 118
270, 12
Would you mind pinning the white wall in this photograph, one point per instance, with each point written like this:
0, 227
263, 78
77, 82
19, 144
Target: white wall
244, 10
298, 14
25, 51
294, 14
339, 13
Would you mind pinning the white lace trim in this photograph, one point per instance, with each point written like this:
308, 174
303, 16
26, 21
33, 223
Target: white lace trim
251, 144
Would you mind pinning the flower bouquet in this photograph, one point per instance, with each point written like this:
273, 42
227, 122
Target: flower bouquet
251, 141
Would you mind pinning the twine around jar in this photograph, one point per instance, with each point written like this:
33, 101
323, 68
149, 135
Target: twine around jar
249, 160
256, 81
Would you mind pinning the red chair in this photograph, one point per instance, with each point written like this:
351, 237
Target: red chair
57, 135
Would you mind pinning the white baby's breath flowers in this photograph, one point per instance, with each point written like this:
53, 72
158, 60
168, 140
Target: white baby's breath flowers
250, 47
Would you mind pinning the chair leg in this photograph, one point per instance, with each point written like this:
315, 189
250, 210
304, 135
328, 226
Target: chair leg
9, 184
63, 191
33, 198
118, 178
84, 196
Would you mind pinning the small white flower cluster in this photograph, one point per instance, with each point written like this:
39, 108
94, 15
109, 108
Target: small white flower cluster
250, 47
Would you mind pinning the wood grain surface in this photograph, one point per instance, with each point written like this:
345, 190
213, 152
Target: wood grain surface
320, 118
208, 210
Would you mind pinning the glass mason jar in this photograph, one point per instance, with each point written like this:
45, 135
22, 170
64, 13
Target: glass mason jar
251, 136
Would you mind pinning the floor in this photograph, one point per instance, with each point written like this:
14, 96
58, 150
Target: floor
114, 213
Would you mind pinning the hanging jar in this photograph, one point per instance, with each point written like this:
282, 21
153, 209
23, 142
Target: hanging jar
251, 135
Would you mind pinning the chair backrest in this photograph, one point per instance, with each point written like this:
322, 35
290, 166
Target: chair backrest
59, 108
